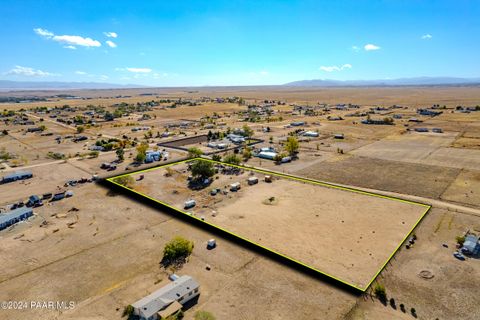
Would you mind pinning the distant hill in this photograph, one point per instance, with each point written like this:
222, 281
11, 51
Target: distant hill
419, 81
7, 85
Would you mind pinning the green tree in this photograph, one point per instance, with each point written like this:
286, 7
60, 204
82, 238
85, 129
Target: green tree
176, 250
247, 154
202, 169
194, 152
141, 152
80, 129
248, 132
291, 146
120, 154
204, 315
232, 159
126, 181
216, 157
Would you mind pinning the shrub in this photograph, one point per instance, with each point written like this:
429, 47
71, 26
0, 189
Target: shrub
216, 157
413, 312
126, 181
120, 153
93, 154
127, 311
232, 159
204, 315
392, 303
460, 240
194, 152
380, 292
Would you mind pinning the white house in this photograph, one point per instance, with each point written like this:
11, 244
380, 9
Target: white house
167, 300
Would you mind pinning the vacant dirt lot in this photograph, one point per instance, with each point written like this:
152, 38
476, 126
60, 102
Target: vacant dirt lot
110, 258
332, 230
447, 293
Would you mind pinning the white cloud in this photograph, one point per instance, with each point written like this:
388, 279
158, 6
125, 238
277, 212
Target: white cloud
77, 40
111, 44
427, 36
371, 47
139, 70
70, 47
43, 32
69, 40
103, 77
111, 34
335, 68
81, 72
355, 48
263, 72
29, 72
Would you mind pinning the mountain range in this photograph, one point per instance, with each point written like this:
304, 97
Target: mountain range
418, 81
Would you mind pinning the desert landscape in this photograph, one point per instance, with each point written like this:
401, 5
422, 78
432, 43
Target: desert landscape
102, 249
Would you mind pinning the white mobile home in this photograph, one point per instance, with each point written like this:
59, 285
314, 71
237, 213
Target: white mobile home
167, 300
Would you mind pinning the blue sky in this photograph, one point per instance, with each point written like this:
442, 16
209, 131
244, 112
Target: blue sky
182, 43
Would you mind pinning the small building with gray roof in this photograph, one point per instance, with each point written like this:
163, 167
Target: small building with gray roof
181, 290
14, 216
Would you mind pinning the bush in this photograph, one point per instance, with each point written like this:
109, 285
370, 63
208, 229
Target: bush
232, 159
194, 152
126, 181
392, 303
94, 154
460, 240
216, 157
176, 250
127, 311
380, 293
414, 312
204, 315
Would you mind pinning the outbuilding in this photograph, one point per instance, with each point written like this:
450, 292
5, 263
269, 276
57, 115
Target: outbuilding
189, 204
15, 216
19, 175
235, 186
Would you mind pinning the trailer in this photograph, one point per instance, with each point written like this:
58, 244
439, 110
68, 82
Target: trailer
235, 186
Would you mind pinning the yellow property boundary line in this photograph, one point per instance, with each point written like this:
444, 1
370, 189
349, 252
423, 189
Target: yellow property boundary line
291, 177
